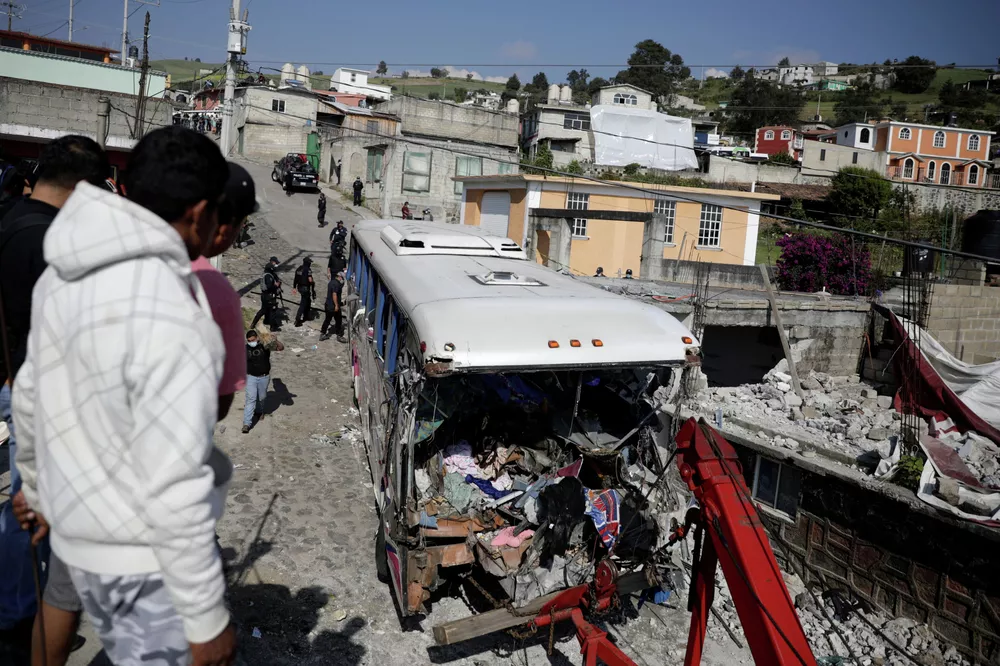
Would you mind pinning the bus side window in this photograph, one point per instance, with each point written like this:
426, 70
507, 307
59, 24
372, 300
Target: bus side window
392, 348
370, 286
380, 310
362, 277
351, 264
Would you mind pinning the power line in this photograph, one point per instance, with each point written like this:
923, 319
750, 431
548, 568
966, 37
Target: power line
521, 65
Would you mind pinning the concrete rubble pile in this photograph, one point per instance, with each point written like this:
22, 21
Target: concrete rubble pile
555, 470
832, 618
837, 413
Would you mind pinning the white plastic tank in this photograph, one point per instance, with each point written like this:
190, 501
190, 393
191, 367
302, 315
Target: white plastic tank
553, 97
513, 106
302, 74
565, 95
287, 72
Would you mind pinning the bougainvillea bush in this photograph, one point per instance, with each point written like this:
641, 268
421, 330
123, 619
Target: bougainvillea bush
810, 262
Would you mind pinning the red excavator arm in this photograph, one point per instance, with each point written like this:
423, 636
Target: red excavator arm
736, 539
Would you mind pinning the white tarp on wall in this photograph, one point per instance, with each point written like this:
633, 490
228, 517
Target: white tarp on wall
624, 136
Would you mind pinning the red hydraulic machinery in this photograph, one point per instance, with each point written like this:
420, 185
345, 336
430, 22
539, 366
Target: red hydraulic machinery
736, 540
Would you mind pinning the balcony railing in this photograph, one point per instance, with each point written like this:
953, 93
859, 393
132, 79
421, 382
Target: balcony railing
980, 178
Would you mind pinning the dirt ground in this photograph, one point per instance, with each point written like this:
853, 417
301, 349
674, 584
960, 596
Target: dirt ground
298, 534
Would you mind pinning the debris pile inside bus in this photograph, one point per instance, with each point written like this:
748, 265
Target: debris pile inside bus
537, 476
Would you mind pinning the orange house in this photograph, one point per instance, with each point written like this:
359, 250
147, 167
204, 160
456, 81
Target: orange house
701, 224
932, 154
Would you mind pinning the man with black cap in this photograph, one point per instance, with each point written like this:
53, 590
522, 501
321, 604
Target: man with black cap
270, 292
307, 288
358, 188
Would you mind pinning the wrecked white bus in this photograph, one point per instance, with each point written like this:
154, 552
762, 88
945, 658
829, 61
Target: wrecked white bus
507, 411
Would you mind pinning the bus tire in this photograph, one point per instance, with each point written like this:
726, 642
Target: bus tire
381, 559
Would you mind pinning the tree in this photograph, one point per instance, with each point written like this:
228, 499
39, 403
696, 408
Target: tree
577, 79
810, 262
967, 105
785, 62
574, 167
539, 83
434, 95
897, 110
513, 84
755, 103
782, 158
404, 75
382, 68
197, 59
185, 57
596, 84
318, 72
543, 156
460, 94
438, 73
859, 104
654, 68
468, 77
861, 193
914, 75
737, 73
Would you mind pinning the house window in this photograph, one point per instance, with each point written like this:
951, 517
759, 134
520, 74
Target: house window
904, 133
576, 121
974, 142
504, 168
822, 154
278, 105
625, 98
931, 168
854, 158
578, 201
973, 175
467, 166
945, 173
416, 172
668, 209
785, 135
866, 135
372, 126
373, 173
768, 135
908, 168
777, 485
711, 225
939, 139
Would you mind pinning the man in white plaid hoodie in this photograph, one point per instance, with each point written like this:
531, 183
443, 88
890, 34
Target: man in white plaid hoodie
116, 404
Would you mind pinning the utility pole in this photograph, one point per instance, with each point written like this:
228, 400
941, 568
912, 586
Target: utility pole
13, 11
236, 46
124, 33
70, 21
103, 112
140, 102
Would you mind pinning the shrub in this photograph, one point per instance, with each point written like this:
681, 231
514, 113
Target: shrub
809, 262
632, 169
574, 167
908, 472
782, 158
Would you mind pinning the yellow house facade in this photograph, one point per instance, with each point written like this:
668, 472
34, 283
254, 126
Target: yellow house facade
701, 224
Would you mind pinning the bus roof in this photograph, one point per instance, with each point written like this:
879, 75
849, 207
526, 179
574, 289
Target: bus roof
489, 311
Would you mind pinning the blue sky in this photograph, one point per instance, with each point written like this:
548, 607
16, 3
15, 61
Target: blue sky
523, 36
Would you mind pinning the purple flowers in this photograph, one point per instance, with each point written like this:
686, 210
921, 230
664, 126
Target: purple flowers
810, 262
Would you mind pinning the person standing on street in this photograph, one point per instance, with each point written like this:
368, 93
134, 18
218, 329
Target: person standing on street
63, 163
122, 342
321, 213
288, 184
358, 189
270, 292
306, 287
335, 265
339, 162
407, 215
258, 377
338, 238
333, 309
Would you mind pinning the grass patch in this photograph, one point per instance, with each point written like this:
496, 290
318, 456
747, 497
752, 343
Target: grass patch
424, 86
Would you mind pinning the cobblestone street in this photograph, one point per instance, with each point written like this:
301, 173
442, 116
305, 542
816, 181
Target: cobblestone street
298, 534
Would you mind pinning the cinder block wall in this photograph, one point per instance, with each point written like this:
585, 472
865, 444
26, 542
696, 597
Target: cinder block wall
965, 319
272, 142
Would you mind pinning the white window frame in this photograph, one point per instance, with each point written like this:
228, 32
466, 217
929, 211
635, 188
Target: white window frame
905, 134
973, 143
627, 99
973, 175
578, 201
668, 209
411, 175
773, 506
939, 135
861, 135
908, 164
473, 166
786, 135
931, 171
945, 177
576, 121
710, 226
769, 135
278, 105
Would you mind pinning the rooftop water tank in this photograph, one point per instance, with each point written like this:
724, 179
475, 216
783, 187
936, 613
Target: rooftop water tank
553, 97
287, 71
513, 106
302, 74
565, 95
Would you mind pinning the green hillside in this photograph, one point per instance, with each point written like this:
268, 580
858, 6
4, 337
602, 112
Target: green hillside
424, 86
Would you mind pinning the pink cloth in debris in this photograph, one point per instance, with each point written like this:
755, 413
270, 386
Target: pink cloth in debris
506, 537
458, 460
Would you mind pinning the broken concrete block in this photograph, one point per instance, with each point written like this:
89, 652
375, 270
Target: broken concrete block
790, 443
949, 490
867, 392
810, 412
784, 387
775, 403
810, 383
792, 400
796, 414
782, 377
878, 434
884, 401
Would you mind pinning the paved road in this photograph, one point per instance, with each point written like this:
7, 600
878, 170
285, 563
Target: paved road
300, 521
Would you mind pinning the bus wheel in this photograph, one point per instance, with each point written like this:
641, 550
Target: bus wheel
381, 558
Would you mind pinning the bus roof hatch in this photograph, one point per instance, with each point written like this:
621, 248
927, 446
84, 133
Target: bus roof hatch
411, 238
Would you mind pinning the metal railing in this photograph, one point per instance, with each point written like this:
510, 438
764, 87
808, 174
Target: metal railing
915, 174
